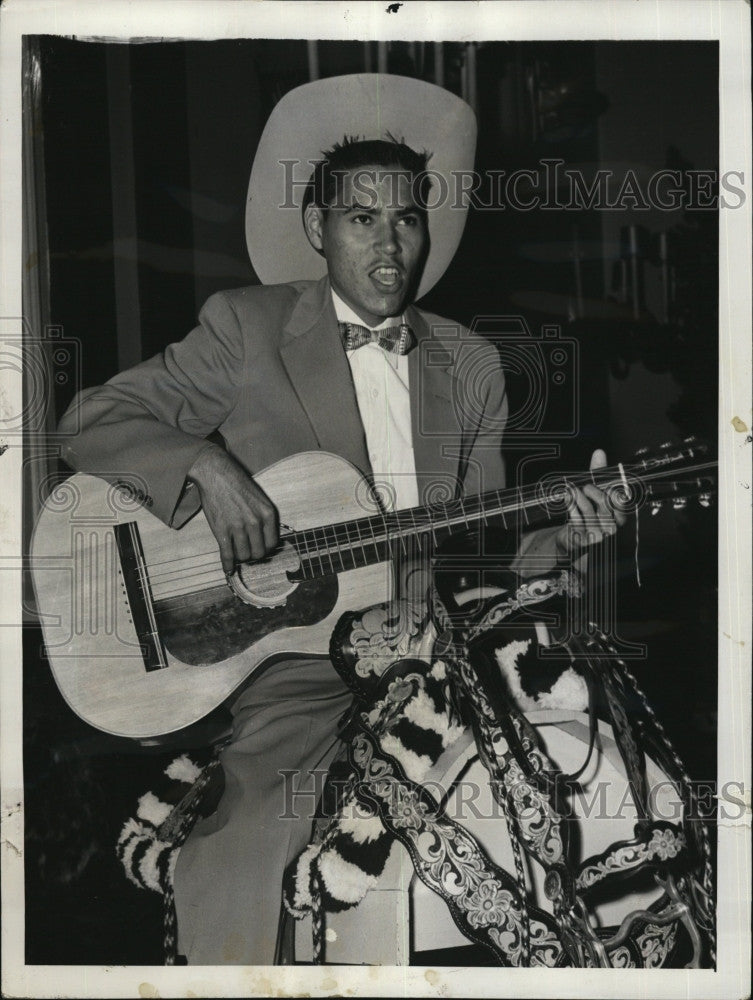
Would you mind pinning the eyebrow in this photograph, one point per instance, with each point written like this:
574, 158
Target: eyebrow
369, 210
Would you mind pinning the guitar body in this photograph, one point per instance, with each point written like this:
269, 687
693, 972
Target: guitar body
211, 640
145, 636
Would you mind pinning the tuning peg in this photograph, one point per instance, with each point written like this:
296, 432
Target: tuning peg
655, 506
696, 446
641, 451
665, 445
705, 499
679, 503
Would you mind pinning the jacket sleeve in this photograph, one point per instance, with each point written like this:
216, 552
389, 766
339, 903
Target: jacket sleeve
150, 423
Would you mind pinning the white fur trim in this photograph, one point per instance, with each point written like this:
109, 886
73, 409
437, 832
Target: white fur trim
183, 769
421, 712
148, 866
364, 829
131, 828
438, 671
132, 838
153, 810
303, 900
415, 765
342, 879
507, 657
171, 866
568, 691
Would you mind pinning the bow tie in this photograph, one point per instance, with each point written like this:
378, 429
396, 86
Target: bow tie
394, 339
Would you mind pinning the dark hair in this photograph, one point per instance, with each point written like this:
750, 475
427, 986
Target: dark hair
353, 152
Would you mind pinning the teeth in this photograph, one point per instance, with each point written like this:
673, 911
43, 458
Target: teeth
386, 272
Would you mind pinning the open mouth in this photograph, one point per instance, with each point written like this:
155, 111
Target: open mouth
387, 278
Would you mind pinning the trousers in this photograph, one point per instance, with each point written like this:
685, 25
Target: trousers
228, 876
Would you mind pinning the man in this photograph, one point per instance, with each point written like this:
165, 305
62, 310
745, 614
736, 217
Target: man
285, 368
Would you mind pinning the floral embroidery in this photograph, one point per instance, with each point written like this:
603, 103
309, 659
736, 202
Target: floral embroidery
447, 854
546, 948
655, 944
531, 592
488, 904
409, 811
621, 959
385, 633
664, 844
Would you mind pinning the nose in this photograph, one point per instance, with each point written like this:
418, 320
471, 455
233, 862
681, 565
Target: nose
387, 239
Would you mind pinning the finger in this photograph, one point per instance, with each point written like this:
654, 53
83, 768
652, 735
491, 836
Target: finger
265, 515
241, 545
606, 506
576, 525
598, 460
256, 539
270, 530
591, 529
226, 553
604, 510
573, 504
585, 508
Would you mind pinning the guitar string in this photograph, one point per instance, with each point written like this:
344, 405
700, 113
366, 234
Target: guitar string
213, 578
394, 525
433, 512
381, 544
436, 511
202, 576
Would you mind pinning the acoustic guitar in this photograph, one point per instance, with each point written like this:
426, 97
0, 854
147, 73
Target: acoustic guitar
144, 633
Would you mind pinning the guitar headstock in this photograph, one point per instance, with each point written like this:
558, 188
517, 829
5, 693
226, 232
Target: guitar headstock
673, 453
675, 473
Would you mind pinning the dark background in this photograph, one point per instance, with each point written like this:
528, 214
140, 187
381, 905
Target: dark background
147, 153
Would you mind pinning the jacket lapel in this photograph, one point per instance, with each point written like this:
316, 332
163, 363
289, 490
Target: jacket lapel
437, 444
318, 369
320, 374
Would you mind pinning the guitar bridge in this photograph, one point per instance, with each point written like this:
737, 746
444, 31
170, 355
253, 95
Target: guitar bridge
136, 582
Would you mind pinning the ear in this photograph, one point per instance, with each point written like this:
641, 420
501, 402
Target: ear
313, 223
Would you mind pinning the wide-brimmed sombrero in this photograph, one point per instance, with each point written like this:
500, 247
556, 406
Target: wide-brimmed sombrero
311, 119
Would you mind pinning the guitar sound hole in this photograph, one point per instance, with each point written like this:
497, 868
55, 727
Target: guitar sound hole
267, 584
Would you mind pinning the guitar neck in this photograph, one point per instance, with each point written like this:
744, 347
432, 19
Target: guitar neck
351, 544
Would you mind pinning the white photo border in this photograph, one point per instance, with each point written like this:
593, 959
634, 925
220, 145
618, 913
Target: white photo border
727, 21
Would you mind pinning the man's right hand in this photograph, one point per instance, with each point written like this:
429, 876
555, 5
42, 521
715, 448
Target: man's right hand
242, 517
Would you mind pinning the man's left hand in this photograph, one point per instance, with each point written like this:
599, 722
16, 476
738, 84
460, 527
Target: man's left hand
591, 517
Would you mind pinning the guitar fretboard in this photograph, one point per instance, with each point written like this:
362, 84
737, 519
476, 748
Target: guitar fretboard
347, 545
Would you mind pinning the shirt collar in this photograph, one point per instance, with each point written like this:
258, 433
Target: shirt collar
347, 315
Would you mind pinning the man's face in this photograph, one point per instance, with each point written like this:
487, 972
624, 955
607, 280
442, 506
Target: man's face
374, 239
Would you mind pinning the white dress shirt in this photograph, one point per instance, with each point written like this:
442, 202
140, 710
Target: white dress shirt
383, 394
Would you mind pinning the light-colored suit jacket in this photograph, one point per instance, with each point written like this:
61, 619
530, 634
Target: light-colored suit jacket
265, 367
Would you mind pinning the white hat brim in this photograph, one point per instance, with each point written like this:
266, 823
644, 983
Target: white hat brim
312, 118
